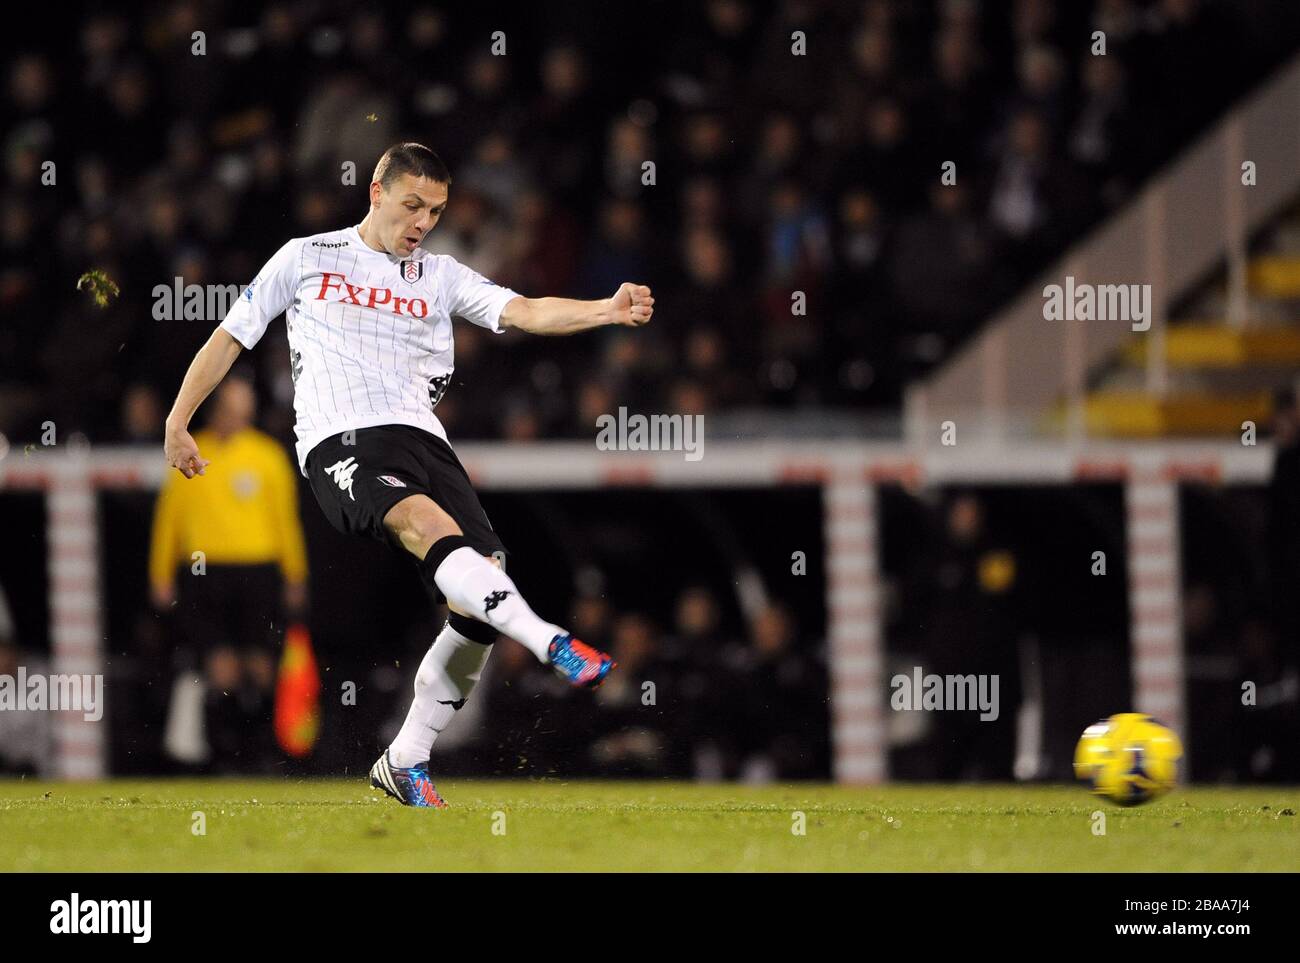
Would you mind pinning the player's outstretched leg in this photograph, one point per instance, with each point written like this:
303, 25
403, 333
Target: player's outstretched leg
475, 586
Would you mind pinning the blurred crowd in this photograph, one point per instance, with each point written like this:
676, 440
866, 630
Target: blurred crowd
773, 173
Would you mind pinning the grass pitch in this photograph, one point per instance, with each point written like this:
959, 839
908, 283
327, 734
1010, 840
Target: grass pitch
331, 824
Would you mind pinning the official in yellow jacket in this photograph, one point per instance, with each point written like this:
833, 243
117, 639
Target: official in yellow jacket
228, 555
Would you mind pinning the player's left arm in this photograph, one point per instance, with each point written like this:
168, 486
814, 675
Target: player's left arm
632, 305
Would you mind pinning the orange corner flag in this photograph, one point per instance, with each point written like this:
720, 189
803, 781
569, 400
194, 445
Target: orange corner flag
297, 694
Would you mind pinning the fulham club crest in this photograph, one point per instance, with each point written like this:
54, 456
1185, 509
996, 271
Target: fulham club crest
412, 271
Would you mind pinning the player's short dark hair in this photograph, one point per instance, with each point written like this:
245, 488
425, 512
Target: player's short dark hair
410, 158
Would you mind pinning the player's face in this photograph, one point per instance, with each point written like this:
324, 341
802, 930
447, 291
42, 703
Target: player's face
408, 211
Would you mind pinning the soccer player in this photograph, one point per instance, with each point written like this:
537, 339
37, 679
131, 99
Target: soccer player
370, 344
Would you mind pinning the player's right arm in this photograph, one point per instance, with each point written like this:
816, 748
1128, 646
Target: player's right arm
267, 297
206, 371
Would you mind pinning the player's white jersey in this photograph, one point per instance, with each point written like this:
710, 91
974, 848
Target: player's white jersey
370, 339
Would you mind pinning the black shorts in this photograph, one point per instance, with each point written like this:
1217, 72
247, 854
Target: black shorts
357, 484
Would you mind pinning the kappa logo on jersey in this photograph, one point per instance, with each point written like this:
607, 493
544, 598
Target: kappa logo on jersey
392, 482
343, 472
412, 271
364, 297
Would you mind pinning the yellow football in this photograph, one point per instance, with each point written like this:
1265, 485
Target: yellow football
1129, 758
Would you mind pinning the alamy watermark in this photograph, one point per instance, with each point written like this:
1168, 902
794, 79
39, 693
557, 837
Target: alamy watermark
946, 693
651, 433
194, 302
1098, 302
129, 917
53, 693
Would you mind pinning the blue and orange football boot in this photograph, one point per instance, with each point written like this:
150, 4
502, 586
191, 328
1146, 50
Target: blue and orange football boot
578, 662
410, 787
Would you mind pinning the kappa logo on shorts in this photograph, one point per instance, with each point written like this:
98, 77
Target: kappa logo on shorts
392, 482
412, 271
343, 472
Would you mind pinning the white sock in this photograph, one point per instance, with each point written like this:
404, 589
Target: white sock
472, 584
446, 677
